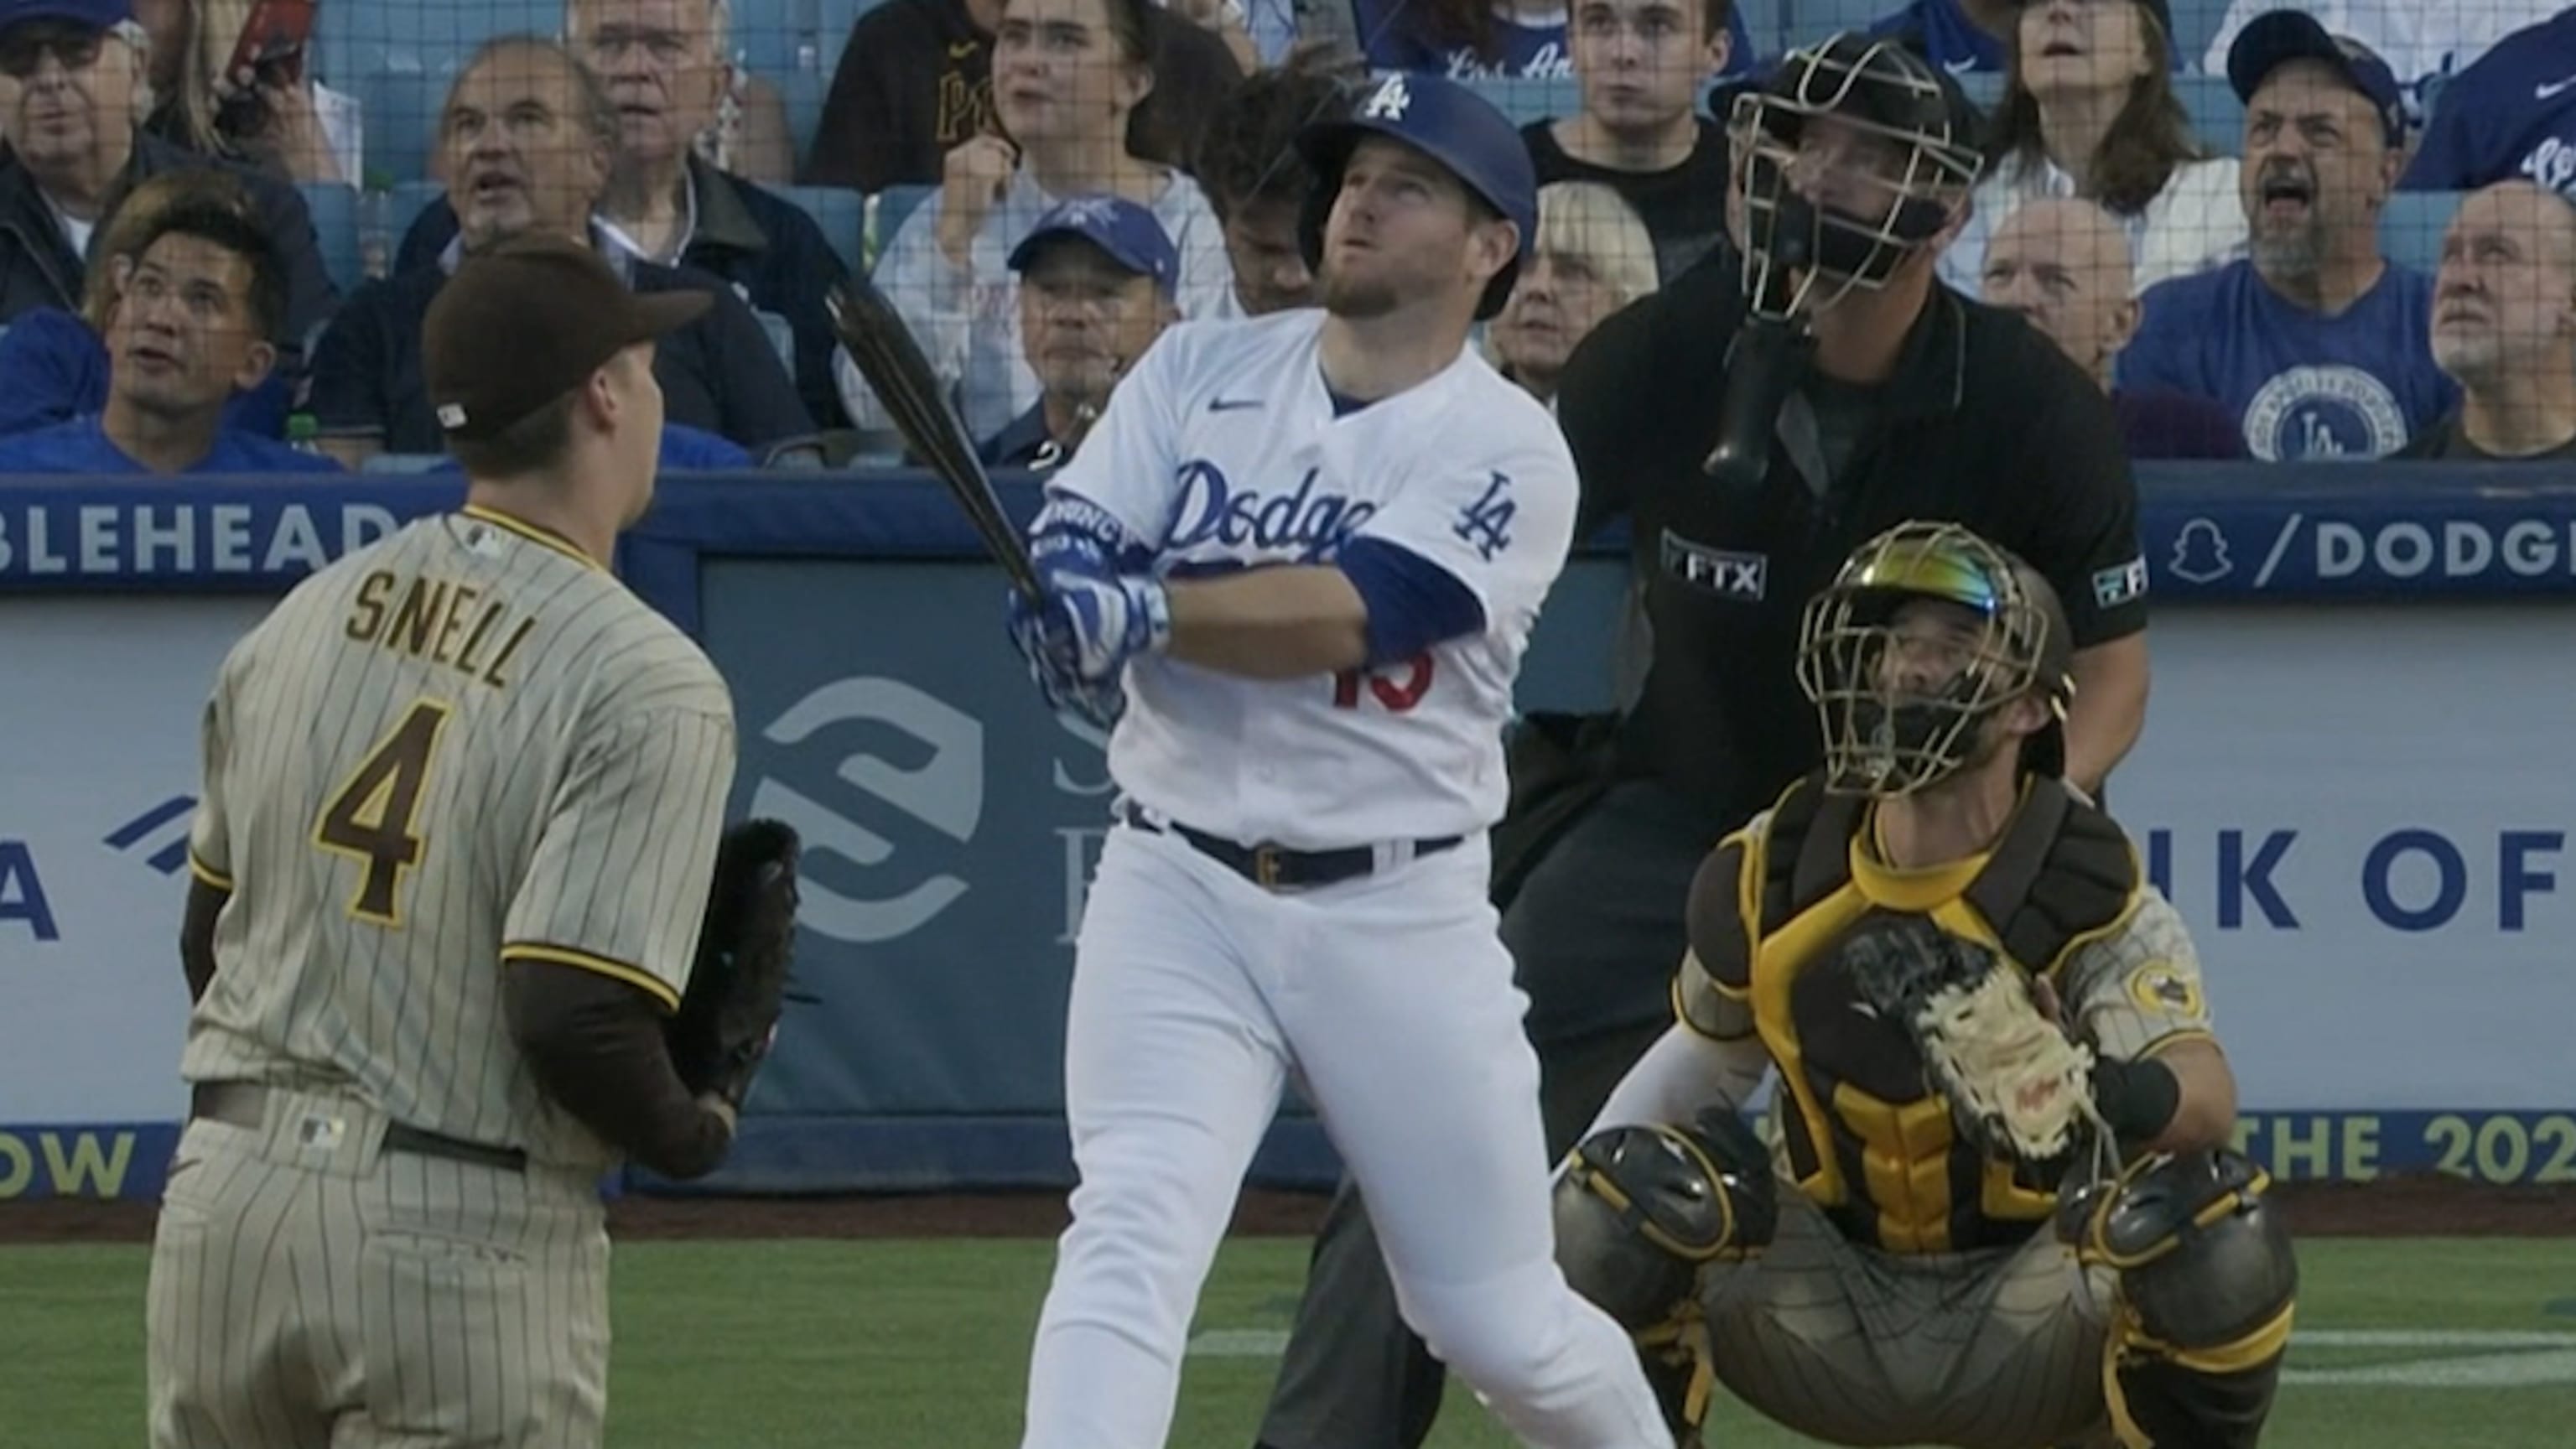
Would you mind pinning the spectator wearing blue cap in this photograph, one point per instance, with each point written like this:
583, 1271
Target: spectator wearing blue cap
2427, 44
2315, 341
1097, 275
74, 90
195, 327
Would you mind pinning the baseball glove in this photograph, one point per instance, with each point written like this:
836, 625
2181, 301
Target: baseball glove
2017, 1085
738, 986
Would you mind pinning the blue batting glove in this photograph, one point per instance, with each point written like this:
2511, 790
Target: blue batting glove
1094, 624
1045, 642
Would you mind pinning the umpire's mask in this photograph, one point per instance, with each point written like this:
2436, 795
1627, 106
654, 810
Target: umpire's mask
1904, 695
1854, 157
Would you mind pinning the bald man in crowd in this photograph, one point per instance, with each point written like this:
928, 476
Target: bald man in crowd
2064, 265
2504, 328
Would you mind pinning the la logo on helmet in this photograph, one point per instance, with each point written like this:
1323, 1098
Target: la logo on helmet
1389, 101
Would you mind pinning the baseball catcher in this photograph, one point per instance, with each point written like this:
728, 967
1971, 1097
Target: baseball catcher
2000, 1213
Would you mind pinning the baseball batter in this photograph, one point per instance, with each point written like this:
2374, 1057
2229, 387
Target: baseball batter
1304, 553
1978, 1011
458, 823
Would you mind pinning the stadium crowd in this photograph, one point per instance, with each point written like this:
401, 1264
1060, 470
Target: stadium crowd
2269, 233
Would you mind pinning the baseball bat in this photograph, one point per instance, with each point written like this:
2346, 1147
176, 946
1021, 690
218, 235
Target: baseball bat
889, 357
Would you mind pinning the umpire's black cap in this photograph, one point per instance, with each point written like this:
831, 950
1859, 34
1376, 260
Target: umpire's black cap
528, 321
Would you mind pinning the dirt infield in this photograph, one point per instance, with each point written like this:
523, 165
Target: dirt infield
2410, 1206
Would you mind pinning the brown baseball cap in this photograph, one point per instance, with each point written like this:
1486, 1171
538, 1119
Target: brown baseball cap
528, 321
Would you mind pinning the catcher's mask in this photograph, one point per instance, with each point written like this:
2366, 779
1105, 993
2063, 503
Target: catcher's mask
1846, 206
1904, 705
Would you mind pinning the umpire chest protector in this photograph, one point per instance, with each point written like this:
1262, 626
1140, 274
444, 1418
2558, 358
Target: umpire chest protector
1866, 1138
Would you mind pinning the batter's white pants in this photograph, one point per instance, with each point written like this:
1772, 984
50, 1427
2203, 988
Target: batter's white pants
1194, 994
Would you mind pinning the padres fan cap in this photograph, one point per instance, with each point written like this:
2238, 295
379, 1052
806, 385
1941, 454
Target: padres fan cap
2275, 38
527, 322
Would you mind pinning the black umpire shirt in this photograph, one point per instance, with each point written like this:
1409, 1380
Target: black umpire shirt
1983, 423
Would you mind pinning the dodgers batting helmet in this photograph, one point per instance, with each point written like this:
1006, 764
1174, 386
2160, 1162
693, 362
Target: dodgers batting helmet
1448, 123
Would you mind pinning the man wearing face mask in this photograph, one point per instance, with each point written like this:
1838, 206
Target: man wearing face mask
1858, 393
1096, 279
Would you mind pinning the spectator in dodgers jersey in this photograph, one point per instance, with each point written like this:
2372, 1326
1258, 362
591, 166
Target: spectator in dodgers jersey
73, 93
1248, 164
529, 136
2063, 264
2512, 113
1095, 291
662, 63
53, 363
1487, 39
2089, 110
2316, 342
1640, 65
916, 80
1066, 75
2504, 328
2427, 43
195, 327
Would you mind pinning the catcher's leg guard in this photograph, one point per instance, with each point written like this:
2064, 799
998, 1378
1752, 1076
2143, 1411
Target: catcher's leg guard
1638, 1210
2207, 1287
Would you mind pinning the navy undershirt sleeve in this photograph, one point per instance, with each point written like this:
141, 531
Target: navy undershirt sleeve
1412, 602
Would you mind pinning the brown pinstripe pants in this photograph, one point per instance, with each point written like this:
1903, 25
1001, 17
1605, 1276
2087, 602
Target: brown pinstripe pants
1994, 1350
310, 1291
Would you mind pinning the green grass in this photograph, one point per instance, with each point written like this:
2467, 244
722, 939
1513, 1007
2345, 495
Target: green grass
905, 1345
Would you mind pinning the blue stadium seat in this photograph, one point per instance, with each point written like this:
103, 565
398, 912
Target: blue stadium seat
801, 92
843, 215
1807, 21
403, 463
334, 205
1532, 100
769, 33
402, 117
887, 211
2411, 227
353, 40
2217, 117
2195, 21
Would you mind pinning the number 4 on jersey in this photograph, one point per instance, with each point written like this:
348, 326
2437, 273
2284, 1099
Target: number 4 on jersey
372, 818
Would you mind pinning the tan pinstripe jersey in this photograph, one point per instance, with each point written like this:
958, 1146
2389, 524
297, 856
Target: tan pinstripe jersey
463, 745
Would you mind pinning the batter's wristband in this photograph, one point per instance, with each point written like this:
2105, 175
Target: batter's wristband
2137, 1099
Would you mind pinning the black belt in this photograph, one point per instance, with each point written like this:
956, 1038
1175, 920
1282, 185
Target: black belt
1274, 867
245, 1104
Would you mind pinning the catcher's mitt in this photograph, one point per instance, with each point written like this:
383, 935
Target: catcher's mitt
738, 986
2016, 1084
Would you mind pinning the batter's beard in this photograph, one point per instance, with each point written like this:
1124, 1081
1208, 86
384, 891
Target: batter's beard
1345, 296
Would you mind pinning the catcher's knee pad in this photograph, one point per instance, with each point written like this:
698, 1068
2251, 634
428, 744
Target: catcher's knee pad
1639, 1209
2207, 1274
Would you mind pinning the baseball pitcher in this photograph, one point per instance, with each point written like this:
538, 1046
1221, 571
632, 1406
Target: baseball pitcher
2000, 1213
461, 934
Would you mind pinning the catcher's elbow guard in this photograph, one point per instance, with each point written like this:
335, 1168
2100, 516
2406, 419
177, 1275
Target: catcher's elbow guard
2206, 1268
1640, 1209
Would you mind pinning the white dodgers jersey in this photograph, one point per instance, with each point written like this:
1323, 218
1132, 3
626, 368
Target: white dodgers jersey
1223, 450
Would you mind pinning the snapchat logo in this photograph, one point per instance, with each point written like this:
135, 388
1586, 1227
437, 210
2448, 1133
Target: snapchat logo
2200, 553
